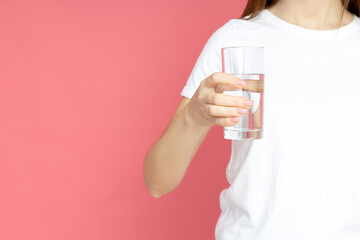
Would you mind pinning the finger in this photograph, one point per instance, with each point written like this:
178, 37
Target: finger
228, 81
219, 111
226, 122
220, 88
251, 86
254, 86
221, 99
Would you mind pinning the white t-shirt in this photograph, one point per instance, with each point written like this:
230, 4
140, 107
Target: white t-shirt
302, 180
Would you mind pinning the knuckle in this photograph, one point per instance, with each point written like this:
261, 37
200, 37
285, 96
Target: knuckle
228, 122
211, 110
205, 83
238, 101
213, 120
216, 76
199, 97
217, 98
214, 98
218, 121
208, 109
202, 96
224, 122
219, 88
235, 112
228, 111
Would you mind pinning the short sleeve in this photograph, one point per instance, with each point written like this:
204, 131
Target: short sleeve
209, 60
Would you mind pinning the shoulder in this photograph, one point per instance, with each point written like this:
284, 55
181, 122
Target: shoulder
229, 28
236, 26
237, 31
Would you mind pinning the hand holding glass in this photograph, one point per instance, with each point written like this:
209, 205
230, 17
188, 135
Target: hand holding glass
246, 62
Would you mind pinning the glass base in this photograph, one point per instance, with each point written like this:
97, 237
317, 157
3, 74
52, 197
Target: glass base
239, 135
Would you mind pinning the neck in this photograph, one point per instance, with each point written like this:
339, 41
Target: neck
311, 14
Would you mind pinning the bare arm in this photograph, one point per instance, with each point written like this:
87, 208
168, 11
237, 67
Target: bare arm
168, 159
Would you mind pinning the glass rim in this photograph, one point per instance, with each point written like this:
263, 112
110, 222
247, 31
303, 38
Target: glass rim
234, 47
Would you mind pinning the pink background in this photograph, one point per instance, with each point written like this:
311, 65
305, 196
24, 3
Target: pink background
86, 87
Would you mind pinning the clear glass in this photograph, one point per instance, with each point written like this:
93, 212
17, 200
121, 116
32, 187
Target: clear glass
246, 62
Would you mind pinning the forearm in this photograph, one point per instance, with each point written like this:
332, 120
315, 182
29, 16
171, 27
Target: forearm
168, 159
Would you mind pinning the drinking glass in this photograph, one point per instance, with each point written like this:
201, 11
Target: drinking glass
247, 63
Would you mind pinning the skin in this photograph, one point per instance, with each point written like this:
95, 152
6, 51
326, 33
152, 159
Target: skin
169, 157
310, 14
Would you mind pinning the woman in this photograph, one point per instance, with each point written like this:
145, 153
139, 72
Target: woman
302, 180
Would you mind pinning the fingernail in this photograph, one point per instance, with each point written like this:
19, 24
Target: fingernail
234, 119
242, 111
241, 83
248, 102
